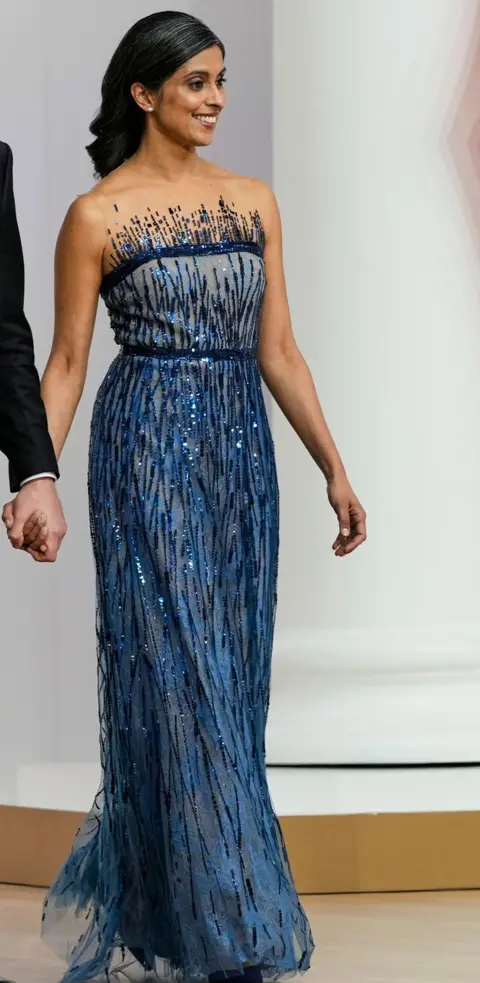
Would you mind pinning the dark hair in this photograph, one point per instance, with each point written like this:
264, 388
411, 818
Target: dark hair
150, 53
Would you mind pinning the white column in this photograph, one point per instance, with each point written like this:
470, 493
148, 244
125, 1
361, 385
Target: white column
375, 106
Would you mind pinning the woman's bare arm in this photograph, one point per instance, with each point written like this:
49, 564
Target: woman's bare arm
290, 382
78, 275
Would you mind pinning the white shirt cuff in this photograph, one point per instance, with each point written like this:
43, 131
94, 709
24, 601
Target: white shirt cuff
33, 477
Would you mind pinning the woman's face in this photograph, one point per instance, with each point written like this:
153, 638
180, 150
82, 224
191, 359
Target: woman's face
188, 105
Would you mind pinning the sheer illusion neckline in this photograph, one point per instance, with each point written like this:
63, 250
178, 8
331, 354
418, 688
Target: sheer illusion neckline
176, 229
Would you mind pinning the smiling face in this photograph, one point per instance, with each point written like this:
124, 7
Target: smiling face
186, 108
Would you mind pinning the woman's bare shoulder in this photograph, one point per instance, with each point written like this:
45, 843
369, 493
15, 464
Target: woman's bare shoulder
107, 189
250, 193
84, 223
235, 184
91, 210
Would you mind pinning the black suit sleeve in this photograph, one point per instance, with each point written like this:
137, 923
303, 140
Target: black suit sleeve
24, 436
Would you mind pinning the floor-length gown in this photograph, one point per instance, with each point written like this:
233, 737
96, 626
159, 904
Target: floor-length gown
181, 858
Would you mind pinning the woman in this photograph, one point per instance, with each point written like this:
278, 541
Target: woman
180, 868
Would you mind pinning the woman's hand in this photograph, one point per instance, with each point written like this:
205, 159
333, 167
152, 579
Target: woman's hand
34, 520
351, 515
34, 532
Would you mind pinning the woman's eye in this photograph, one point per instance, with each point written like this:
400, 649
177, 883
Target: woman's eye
198, 84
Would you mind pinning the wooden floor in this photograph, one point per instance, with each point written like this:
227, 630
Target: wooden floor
387, 938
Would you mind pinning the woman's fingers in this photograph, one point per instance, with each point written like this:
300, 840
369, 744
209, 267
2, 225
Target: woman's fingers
344, 523
353, 531
35, 532
40, 556
359, 528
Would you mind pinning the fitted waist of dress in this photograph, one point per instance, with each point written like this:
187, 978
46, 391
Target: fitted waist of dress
198, 353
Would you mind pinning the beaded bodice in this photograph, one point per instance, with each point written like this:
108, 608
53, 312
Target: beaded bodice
182, 282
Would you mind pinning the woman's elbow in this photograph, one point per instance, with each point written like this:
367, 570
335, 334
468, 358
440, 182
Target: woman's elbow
66, 362
65, 370
278, 356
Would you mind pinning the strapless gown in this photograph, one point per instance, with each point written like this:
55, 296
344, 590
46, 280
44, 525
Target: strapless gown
181, 865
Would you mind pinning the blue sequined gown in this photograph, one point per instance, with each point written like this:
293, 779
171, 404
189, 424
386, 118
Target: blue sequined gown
181, 857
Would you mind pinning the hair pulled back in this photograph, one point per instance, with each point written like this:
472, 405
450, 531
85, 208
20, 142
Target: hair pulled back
150, 53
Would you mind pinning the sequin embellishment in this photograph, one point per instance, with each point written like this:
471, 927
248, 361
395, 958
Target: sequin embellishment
180, 866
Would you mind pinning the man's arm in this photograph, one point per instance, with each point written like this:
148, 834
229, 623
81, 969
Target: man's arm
24, 436
35, 517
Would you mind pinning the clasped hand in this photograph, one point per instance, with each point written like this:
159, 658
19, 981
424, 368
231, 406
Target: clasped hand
34, 520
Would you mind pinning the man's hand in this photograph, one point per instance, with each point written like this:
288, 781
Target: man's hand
34, 520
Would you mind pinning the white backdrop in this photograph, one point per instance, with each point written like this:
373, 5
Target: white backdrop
52, 57
375, 114
376, 165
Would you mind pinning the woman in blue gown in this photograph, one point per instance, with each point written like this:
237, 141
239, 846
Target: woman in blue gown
180, 869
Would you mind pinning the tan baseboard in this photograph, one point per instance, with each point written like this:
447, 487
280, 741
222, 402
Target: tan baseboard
34, 843
387, 852
328, 854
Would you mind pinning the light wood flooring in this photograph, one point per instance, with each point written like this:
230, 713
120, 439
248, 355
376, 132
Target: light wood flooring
383, 938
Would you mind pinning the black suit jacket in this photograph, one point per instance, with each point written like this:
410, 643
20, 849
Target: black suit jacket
24, 436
